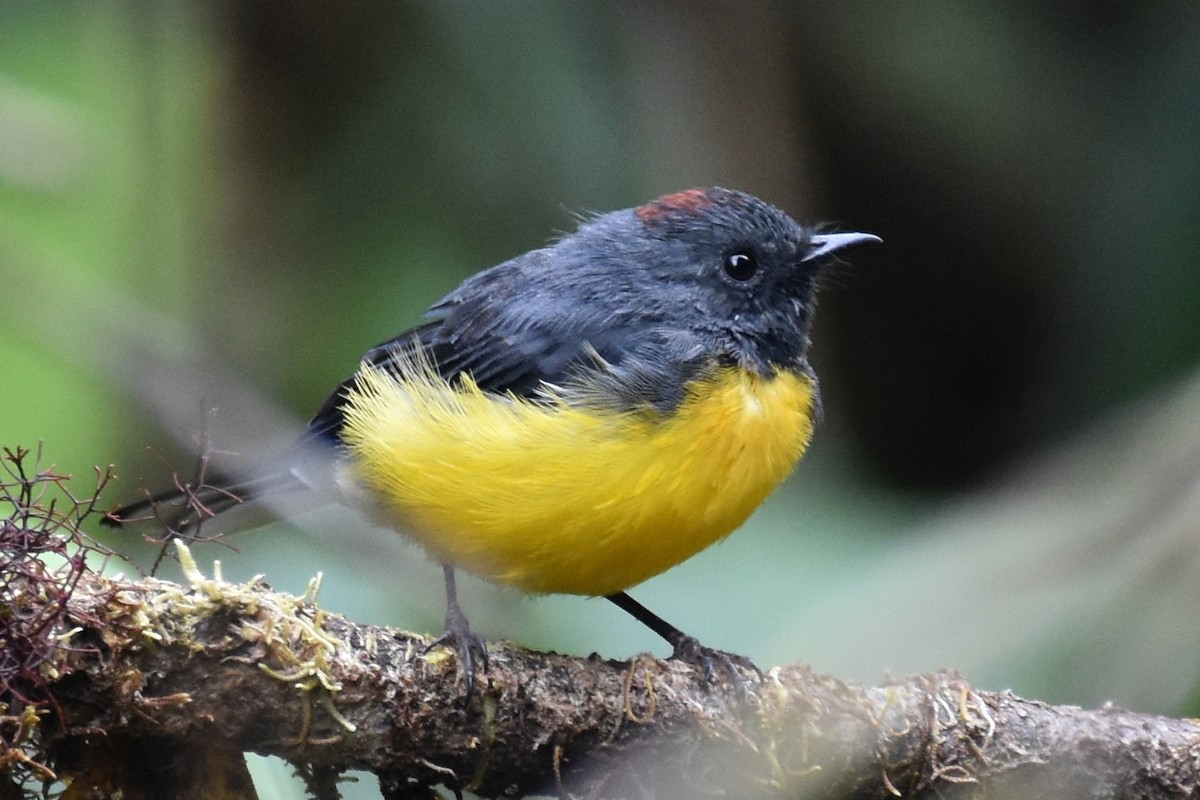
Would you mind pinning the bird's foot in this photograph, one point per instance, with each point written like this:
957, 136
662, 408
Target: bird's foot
469, 648
732, 666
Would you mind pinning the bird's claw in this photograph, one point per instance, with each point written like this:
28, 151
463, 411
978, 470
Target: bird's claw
732, 665
469, 648
471, 651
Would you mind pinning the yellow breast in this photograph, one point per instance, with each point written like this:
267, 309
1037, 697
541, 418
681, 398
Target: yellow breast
548, 497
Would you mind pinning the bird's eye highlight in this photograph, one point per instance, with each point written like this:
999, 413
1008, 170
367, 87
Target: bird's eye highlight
741, 265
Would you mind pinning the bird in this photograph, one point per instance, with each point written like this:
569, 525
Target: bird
581, 417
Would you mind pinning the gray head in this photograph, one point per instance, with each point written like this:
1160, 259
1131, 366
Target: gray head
713, 265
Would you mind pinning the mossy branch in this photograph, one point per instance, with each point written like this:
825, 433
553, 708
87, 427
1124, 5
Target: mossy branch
151, 673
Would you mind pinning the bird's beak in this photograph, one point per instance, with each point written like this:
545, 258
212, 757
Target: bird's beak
826, 244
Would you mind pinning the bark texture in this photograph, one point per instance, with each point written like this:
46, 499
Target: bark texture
157, 689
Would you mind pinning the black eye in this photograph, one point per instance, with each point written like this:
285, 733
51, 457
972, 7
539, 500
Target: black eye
741, 265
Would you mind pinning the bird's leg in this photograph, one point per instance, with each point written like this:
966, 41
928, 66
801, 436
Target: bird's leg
468, 646
688, 648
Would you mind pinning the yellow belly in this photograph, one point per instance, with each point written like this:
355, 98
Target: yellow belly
548, 497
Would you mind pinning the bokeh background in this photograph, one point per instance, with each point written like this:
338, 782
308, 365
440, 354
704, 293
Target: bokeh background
208, 211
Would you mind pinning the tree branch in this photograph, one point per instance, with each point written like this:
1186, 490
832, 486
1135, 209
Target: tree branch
157, 684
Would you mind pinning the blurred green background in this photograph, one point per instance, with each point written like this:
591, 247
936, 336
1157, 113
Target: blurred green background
208, 211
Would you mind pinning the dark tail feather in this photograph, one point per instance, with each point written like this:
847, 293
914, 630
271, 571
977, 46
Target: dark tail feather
180, 508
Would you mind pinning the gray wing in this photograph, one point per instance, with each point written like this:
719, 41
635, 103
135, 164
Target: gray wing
511, 338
